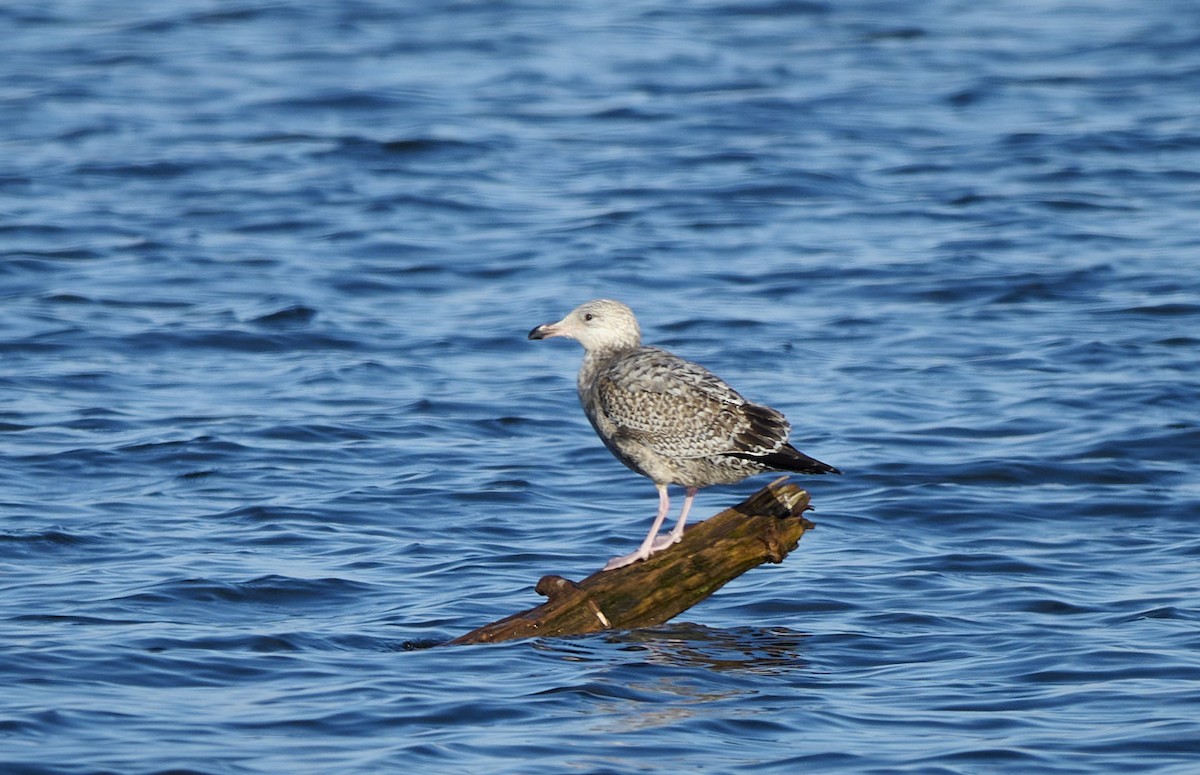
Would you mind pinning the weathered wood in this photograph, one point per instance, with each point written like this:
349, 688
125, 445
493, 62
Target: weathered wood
763, 528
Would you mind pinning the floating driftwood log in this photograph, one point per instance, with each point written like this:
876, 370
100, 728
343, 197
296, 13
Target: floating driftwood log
763, 528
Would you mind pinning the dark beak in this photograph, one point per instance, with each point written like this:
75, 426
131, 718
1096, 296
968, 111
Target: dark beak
540, 332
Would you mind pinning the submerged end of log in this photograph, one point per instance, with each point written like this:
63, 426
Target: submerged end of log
763, 528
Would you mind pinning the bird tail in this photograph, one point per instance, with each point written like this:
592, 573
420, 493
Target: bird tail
788, 458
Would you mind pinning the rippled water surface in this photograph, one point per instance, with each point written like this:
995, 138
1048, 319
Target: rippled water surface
271, 426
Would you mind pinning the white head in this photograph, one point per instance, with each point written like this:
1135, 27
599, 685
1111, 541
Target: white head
600, 325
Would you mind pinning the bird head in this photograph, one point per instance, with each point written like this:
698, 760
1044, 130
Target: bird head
599, 325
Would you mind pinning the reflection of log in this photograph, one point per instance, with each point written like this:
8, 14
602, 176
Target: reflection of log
763, 528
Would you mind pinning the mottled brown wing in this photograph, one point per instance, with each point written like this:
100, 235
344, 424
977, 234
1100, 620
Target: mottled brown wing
682, 410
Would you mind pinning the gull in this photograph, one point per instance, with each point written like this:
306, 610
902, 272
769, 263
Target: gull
667, 418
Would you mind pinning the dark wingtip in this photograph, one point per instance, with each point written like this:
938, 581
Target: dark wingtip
791, 459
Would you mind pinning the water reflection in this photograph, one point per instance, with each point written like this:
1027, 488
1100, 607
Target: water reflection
748, 650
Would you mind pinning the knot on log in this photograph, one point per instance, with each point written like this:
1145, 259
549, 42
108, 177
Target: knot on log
557, 588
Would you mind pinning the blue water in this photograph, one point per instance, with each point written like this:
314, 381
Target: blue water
272, 428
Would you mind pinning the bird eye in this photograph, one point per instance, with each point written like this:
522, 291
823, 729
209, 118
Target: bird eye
588, 316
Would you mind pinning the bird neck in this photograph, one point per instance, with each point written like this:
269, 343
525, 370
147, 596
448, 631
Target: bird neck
594, 362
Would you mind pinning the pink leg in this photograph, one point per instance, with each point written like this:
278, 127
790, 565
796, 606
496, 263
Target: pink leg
677, 534
646, 549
